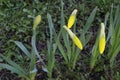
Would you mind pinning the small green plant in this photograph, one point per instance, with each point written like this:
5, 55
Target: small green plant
29, 73
110, 45
114, 35
28, 69
99, 46
100, 43
51, 48
70, 53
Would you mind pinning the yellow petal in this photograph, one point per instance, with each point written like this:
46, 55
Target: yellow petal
72, 18
102, 40
75, 39
102, 45
77, 42
36, 21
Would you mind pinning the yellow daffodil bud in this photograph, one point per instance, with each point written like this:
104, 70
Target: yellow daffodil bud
102, 40
72, 18
74, 38
36, 21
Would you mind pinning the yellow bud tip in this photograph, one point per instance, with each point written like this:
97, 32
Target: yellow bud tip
75, 39
72, 18
102, 40
36, 21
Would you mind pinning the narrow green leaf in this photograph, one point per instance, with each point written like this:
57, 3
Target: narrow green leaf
11, 68
13, 64
90, 20
87, 38
50, 26
111, 25
23, 48
95, 53
60, 47
62, 15
76, 56
114, 54
117, 13
106, 18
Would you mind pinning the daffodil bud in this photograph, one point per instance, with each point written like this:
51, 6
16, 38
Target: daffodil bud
36, 21
75, 39
72, 18
102, 40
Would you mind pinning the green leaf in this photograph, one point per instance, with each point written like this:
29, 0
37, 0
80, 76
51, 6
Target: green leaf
90, 20
95, 53
50, 26
114, 54
60, 47
23, 48
62, 15
13, 64
87, 38
11, 68
106, 19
